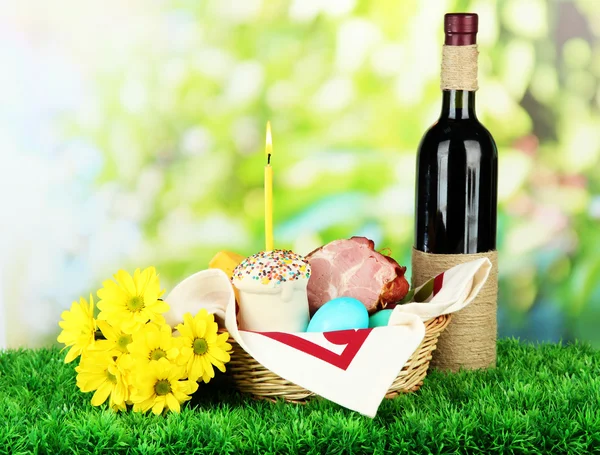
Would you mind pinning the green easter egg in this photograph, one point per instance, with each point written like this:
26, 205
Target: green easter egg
380, 319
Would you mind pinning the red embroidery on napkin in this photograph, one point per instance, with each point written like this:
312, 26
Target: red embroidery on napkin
437, 283
354, 339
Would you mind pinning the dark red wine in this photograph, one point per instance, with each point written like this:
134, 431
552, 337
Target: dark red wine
457, 163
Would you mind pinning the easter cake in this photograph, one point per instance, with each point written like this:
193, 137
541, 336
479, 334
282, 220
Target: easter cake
272, 293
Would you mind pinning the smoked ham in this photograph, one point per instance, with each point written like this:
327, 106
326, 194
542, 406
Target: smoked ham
352, 268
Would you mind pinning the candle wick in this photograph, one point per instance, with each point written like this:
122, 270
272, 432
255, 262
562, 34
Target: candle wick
268, 158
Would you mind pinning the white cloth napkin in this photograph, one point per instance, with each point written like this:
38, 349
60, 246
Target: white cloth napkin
453, 290
353, 368
209, 289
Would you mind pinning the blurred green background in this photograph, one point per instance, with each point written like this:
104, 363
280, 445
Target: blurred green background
132, 134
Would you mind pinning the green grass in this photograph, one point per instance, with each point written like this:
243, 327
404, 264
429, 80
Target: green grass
540, 399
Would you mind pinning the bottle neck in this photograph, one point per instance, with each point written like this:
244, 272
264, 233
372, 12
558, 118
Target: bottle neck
458, 105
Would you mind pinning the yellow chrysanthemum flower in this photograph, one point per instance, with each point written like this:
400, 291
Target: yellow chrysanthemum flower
152, 343
202, 347
130, 302
79, 327
116, 341
100, 372
160, 387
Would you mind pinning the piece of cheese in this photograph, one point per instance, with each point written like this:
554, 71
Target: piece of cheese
226, 261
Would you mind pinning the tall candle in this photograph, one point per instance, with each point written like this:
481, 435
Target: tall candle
269, 192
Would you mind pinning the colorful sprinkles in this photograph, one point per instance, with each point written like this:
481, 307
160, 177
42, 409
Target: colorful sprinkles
275, 267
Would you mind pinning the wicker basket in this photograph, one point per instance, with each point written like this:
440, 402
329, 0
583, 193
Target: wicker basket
251, 377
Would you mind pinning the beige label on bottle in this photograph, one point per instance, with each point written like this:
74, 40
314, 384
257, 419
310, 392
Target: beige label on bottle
459, 68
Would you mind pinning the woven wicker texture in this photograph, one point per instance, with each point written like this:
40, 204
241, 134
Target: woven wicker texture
251, 377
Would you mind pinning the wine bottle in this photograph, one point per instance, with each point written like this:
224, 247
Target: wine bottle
457, 164
456, 182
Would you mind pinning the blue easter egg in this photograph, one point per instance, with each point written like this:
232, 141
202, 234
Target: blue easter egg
380, 319
343, 313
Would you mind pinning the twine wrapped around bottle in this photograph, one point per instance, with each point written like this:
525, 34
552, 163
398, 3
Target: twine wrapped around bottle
459, 68
469, 341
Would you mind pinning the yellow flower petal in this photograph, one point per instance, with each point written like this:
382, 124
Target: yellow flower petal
188, 319
220, 355
222, 337
107, 330
126, 282
72, 354
152, 339
111, 292
210, 338
195, 368
208, 367
186, 331
131, 326
93, 383
159, 405
137, 281
199, 327
159, 306
220, 366
172, 403
192, 386
119, 393
101, 394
